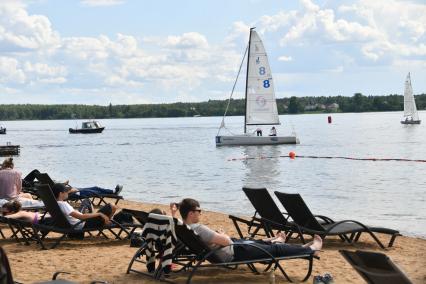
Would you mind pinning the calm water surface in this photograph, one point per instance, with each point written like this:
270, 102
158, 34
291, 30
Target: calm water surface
164, 160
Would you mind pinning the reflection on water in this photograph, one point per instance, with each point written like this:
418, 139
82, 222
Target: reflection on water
164, 160
261, 166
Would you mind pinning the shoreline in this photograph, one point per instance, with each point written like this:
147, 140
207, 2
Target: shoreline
99, 259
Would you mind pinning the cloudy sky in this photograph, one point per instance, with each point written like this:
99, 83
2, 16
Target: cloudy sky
137, 51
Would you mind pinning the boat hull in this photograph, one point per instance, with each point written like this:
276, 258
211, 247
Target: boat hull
3, 131
255, 140
410, 121
86, 131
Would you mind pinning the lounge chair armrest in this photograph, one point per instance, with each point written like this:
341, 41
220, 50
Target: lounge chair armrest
242, 220
328, 220
346, 221
268, 223
55, 275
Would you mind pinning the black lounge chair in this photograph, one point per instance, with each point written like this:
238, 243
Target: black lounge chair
191, 254
375, 268
203, 253
58, 222
306, 223
265, 208
44, 178
141, 216
267, 215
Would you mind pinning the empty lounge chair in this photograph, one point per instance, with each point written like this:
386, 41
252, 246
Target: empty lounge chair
347, 230
375, 268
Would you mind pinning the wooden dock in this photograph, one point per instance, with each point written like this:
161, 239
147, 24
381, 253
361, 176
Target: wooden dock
9, 150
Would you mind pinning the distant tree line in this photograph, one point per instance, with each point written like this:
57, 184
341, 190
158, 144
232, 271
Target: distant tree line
293, 105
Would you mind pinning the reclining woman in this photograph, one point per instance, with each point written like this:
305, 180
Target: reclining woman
90, 220
12, 210
190, 211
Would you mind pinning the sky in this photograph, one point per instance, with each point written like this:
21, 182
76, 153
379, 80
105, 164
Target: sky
164, 51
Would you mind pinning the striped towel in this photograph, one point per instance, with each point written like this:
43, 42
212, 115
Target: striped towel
159, 234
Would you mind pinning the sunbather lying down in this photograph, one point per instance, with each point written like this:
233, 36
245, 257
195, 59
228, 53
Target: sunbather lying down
190, 211
12, 210
84, 192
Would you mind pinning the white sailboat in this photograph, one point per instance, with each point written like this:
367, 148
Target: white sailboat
410, 110
261, 105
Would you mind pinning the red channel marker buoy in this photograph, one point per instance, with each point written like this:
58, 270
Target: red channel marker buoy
292, 155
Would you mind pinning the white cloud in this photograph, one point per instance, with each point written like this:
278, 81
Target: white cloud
43, 69
10, 71
285, 58
187, 40
96, 3
21, 32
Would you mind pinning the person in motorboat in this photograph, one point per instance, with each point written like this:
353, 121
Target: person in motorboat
273, 131
190, 211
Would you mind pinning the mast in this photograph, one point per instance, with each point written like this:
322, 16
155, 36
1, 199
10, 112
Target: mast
247, 73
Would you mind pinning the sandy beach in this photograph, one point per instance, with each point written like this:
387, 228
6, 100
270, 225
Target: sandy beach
100, 259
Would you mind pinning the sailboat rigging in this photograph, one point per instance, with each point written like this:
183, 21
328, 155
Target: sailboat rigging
260, 102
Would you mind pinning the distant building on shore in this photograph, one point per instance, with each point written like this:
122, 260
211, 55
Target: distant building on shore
333, 107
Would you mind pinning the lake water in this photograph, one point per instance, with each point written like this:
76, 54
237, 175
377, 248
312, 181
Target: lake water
167, 159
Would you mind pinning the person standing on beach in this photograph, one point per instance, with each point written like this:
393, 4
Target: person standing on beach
190, 211
10, 182
91, 220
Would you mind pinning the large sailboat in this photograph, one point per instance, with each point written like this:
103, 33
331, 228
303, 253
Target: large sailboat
410, 110
260, 102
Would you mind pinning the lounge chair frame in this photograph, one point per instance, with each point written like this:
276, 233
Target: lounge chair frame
38, 232
347, 230
191, 254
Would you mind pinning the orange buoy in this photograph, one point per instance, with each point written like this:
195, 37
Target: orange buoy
329, 119
292, 155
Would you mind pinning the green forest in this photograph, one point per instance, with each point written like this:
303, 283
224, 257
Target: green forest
293, 105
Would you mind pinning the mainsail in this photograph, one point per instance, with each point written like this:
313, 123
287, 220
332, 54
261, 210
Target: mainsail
261, 107
410, 109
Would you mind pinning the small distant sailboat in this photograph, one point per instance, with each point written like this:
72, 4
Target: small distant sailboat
410, 110
261, 105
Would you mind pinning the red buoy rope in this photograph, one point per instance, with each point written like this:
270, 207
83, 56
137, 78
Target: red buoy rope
292, 155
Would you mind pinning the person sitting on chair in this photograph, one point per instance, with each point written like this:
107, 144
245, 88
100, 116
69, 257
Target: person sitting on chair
10, 182
190, 211
91, 220
273, 131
